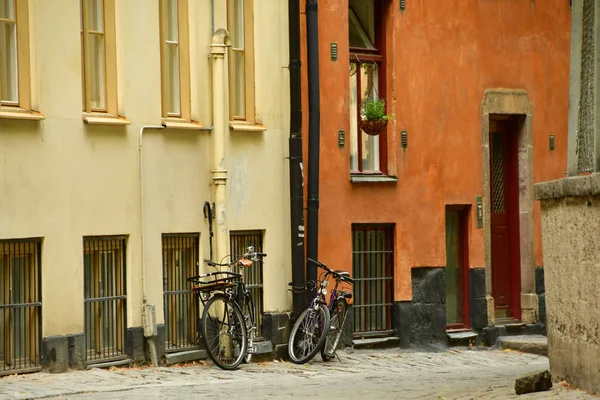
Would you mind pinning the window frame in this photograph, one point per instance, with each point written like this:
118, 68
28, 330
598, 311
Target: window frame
110, 59
376, 55
248, 50
23, 69
185, 113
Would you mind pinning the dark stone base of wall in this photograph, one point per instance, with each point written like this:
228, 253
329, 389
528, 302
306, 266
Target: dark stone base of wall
134, 344
422, 322
479, 317
276, 327
59, 353
540, 289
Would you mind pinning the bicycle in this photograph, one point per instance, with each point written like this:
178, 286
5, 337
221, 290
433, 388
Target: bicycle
319, 326
228, 323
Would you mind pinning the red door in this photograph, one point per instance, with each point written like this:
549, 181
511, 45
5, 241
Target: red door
505, 219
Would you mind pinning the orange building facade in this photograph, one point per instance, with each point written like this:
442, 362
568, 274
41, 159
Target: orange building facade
435, 216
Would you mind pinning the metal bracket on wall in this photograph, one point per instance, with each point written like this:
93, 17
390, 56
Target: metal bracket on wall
209, 212
402, 4
479, 212
334, 51
551, 142
404, 139
341, 138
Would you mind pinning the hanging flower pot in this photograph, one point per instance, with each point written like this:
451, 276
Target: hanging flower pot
374, 119
373, 127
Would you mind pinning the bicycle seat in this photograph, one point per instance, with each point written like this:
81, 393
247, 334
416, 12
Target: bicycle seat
246, 263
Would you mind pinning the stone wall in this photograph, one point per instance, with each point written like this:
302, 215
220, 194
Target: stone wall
571, 243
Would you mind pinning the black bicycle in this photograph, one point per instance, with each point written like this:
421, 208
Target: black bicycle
320, 325
228, 324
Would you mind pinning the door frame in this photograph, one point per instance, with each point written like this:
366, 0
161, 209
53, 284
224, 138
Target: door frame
512, 102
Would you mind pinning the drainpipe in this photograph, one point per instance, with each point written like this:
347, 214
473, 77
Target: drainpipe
314, 121
148, 310
218, 48
295, 146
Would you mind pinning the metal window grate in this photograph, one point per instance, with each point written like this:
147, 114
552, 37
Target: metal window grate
585, 134
180, 261
373, 272
20, 306
497, 173
104, 297
253, 276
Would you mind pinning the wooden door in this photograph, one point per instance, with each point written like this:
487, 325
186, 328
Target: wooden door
505, 219
457, 268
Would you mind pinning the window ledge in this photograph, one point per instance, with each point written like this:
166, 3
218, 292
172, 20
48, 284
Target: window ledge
246, 126
20, 113
182, 124
355, 178
104, 119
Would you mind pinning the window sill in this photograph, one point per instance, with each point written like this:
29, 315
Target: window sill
20, 113
246, 126
105, 119
356, 178
182, 124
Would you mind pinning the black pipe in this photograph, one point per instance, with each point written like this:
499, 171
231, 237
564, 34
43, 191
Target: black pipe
208, 209
295, 143
314, 121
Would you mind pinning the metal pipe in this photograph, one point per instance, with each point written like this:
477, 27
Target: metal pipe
295, 149
218, 49
146, 308
314, 121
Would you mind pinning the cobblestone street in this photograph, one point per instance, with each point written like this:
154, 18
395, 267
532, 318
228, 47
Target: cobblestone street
370, 374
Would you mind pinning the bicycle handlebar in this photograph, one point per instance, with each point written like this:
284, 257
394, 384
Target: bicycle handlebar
335, 274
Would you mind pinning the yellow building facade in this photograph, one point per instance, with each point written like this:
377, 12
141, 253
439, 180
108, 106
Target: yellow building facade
121, 124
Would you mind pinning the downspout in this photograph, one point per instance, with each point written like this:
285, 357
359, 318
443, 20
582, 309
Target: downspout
218, 48
295, 151
148, 311
314, 121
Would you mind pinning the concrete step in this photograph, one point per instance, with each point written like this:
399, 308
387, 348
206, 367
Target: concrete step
390, 341
462, 337
535, 344
183, 356
108, 364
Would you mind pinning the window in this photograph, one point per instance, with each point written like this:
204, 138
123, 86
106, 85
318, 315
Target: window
241, 60
14, 54
104, 297
174, 37
98, 57
20, 305
367, 80
180, 261
373, 273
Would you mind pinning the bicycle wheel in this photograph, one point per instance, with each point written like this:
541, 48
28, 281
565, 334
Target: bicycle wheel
249, 317
336, 328
308, 334
224, 332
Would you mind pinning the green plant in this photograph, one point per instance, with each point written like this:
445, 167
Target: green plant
374, 109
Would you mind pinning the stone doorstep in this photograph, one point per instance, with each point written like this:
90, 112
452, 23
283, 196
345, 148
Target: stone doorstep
534, 344
108, 364
461, 334
183, 356
380, 342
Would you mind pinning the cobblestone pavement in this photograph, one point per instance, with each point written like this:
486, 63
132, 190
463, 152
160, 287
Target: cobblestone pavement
361, 374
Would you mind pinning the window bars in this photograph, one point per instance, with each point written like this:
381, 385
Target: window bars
253, 277
180, 261
104, 297
373, 272
20, 305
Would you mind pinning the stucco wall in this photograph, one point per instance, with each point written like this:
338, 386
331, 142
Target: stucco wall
571, 241
61, 179
440, 60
